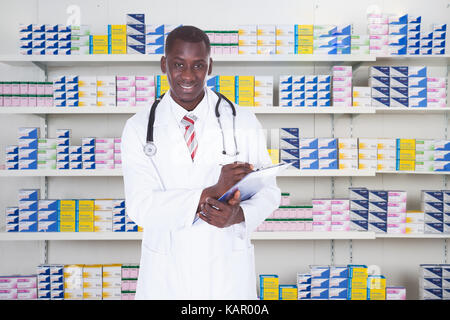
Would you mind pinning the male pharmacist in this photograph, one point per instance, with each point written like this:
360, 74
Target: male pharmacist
211, 258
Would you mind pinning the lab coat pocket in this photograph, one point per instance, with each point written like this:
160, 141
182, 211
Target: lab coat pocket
157, 241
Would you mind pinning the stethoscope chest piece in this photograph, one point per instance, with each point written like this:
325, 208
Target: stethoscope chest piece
150, 149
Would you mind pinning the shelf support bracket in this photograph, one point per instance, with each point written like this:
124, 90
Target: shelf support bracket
40, 65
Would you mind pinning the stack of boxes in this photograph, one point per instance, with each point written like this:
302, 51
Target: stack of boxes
367, 153
288, 292
135, 31
359, 209
303, 286
73, 282
247, 39
439, 35
289, 218
111, 282
104, 153
292, 91
266, 39
308, 154
357, 282
50, 282
65, 91
436, 92
12, 219
386, 154
245, 91
106, 91
414, 35
85, 216
41, 39
360, 44
434, 282
26, 94
48, 212
131, 226
28, 210
103, 215
154, 39
378, 30
325, 39
92, 282
269, 287
441, 155
18, 287
289, 146
331, 215
263, 91
398, 34
28, 148
376, 287
406, 154
343, 39
75, 158
304, 38
321, 214
62, 149
340, 215
348, 153
87, 91
378, 206
320, 282
301, 91
117, 153
80, 43
285, 39
68, 218
395, 293
145, 91
88, 153
130, 273
118, 215
12, 157
46, 154
338, 285
396, 211
223, 42
432, 205
117, 39
226, 85
342, 86
99, 44
327, 153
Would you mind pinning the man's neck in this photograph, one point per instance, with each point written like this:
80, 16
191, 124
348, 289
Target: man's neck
190, 105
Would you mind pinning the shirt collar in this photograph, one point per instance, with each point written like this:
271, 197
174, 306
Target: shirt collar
179, 112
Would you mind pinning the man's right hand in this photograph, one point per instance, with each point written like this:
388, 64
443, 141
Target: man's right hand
230, 175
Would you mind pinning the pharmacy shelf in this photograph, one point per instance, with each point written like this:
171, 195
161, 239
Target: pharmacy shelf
413, 172
266, 235
61, 173
257, 110
118, 172
114, 58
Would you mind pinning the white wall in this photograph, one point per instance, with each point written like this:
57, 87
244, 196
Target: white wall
398, 259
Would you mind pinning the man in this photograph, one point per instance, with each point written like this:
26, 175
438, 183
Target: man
195, 163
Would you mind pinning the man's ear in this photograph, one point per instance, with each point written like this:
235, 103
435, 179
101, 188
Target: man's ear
210, 66
163, 64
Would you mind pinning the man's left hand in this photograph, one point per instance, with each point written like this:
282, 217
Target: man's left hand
221, 214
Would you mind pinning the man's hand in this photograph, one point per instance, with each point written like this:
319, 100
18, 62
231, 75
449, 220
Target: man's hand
230, 175
221, 214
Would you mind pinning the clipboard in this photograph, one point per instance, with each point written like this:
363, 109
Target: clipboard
252, 183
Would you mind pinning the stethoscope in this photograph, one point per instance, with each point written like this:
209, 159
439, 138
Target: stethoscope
150, 147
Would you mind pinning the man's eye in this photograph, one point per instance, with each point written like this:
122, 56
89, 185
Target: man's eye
178, 65
198, 66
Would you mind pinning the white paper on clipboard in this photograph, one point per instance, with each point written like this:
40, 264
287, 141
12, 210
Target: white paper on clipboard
253, 182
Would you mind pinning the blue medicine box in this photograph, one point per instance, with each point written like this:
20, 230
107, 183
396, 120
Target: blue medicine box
319, 294
290, 132
320, 283
154, 29
289, 143
29, 194
318, 271
28, 205
360, 214
307, 143
378, 227
337, 293
308, 154
338, 282
338, 272
48, 215
309, 164
328, 164
295, 163
328, 153
378, 195
289, 153
48, 226
327, 143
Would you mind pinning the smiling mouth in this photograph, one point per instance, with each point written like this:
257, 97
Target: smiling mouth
186, 87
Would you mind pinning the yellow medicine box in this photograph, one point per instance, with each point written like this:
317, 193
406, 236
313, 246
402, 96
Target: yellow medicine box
406, 144
358, 294
406, 165
305, 29
305, 50
92, 271
226, 81
305, 40
377, 294
118, 50
376, 283
269, 282
270, 294
85, 205
229, 93
406, 154
118, 41
247, 92
358, 283
67, 216
274, 155
67, 226
118, 29
246, 81
246, 101
100, 50
100, 41
67, 205
86, 226
289, 293
86, 216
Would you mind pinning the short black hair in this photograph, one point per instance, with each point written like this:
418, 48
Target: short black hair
188, 34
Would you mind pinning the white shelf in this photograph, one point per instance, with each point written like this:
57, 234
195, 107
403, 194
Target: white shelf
286, 173
62, 173
275, 235
256, 110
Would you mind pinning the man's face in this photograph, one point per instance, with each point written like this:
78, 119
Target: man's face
187, 65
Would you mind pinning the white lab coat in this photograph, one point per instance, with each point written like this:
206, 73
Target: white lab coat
179, 259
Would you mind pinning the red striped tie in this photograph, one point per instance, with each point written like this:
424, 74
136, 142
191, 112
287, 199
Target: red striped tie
189, 134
